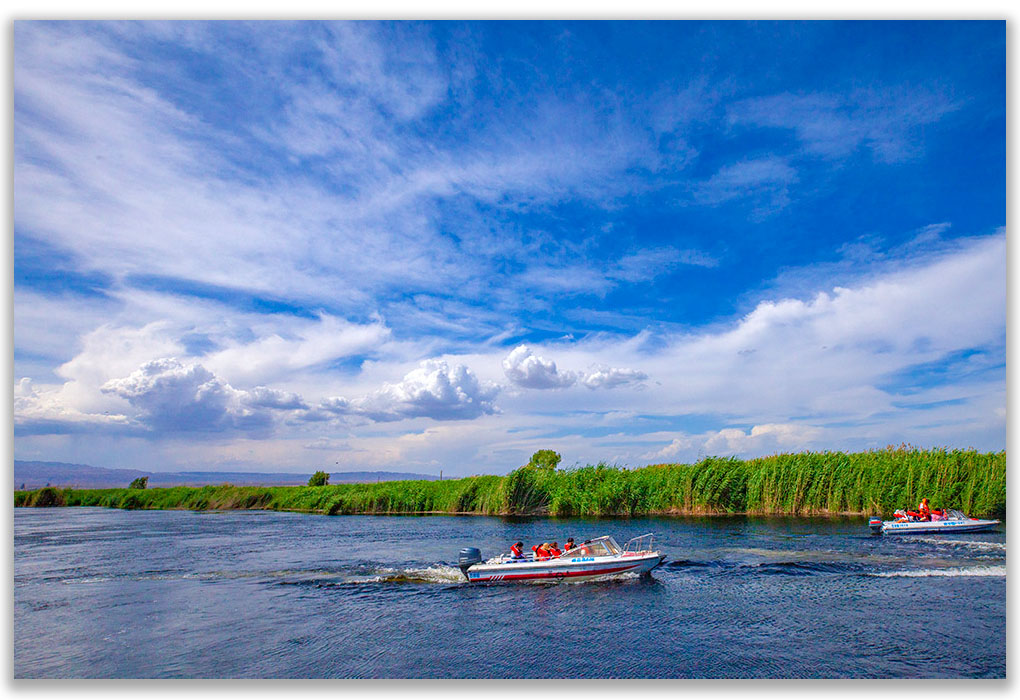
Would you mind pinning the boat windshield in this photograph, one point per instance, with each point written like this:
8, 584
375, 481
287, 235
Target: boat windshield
595, 548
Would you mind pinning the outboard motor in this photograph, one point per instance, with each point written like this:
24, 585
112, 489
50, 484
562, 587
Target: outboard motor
876, 526
469, 556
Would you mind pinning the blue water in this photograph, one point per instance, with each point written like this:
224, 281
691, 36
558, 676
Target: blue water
108, 593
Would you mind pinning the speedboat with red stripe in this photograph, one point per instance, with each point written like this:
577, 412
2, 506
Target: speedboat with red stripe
952, 521
601, 556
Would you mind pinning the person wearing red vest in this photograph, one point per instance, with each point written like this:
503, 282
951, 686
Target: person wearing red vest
541, 551
554, 549
924, 510
515, 550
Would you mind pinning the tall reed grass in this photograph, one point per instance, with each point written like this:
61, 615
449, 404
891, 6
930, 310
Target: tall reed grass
807, 483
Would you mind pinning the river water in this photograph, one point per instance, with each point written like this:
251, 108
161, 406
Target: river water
109, 593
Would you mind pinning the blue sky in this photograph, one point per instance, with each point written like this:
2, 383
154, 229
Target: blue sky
423, 246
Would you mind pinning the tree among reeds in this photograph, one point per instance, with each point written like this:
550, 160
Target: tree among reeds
319, 479
140, 483
545, 459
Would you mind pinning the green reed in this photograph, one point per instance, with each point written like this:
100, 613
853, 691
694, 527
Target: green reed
806, 483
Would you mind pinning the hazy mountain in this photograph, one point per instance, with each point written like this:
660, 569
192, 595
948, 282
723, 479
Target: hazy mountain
36, 474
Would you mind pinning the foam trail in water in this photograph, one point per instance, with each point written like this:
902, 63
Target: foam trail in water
966, 571
432, 574
976, 544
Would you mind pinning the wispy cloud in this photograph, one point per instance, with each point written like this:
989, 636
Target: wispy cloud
430, 242
834, 125
765, 182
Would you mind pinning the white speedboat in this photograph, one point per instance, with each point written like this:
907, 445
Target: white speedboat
601, 556
954, 521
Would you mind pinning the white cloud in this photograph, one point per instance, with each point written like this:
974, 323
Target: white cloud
43, 411
308, 343
760, 440
834, 126
525, 369
433, 390
763, 439
611, 377
765, 182
530, 371
675, 450
176, 397
263, 397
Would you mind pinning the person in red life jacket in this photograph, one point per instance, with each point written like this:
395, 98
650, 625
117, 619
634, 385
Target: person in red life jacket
569, 545
923, 510
541, 551
515, 551
554, 549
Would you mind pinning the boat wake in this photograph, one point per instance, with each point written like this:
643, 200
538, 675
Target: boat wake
974, 544
964, 571
431, 574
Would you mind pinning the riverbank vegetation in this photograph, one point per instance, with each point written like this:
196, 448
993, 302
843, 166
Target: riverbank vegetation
808, 483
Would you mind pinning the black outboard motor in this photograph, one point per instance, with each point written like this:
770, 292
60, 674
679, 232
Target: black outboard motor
469, 556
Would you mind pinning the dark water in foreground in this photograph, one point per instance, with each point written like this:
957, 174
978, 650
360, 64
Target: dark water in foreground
111, 593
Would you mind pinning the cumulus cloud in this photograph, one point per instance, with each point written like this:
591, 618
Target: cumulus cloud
43, 412
432, 390
177, 397
761, 439
611, 377
263, 397
530, 371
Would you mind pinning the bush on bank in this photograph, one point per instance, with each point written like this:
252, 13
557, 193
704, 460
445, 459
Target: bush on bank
809, 483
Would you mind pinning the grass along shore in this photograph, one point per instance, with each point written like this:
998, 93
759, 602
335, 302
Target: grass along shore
808, 483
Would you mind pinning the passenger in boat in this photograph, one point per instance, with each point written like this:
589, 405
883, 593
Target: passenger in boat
541, 551
554, 549
584, 550
569, 545
515, 551
924, 510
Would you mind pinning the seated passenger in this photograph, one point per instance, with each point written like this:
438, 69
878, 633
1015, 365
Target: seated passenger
515, 551
554, 549
569, 545
541, 551
924, 510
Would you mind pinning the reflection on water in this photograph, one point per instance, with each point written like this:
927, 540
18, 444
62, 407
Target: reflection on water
109, 593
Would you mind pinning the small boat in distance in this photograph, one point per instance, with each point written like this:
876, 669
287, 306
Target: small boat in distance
954, 521
601, 556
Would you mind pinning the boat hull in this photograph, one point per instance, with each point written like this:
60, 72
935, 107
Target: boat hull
574, 569
944, 527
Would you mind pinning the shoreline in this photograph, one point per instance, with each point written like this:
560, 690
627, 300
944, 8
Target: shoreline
802, 484
653, 514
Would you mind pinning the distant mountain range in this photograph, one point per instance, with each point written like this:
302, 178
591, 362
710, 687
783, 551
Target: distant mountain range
32, 475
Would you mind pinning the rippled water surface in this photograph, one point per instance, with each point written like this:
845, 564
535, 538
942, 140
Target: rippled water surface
110, 593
